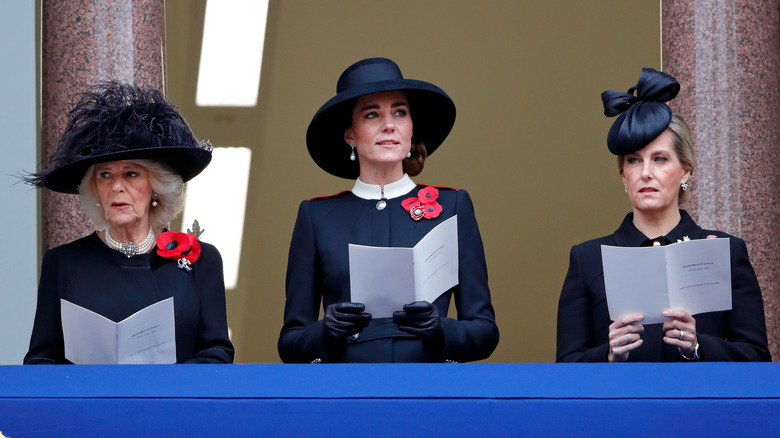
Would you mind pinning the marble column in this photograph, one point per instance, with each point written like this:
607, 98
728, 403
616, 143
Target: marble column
84, 42
726, 55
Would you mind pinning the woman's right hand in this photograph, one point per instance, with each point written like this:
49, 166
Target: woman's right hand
345, 319
624, 336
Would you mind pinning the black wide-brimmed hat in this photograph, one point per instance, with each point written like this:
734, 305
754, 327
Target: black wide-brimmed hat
644, 116
113, 121
431, 109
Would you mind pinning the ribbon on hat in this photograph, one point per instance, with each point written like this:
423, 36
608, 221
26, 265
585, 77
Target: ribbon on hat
643, 117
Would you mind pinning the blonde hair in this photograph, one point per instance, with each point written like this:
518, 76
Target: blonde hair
682, 142
166, 182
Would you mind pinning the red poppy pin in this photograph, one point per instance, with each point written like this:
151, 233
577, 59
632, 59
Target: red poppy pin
182, 247
424, 205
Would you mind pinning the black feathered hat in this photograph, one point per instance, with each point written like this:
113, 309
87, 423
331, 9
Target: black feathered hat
644, 116
113, 121
431, 109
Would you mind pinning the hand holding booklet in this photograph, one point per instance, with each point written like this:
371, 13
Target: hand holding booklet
145, 337
386, 278
694, 276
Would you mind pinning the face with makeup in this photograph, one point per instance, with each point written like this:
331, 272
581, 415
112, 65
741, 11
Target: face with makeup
653, 175
125, 192
381, 131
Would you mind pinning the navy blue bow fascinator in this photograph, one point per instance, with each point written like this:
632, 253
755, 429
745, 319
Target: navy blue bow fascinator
644, 116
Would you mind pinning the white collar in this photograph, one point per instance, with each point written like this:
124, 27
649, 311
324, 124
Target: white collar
390, 191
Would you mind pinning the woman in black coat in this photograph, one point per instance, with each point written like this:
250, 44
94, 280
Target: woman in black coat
366, 133
127, 152
655, 158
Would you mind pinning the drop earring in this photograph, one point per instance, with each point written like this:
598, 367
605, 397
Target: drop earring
352, 155
625, 189
684, 186
154, 199
409, 154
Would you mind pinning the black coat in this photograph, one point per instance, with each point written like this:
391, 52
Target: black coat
583, 317
318, 275
88, 273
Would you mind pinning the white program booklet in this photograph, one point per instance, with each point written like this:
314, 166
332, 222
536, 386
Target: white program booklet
145, 337
694, 276
386, 278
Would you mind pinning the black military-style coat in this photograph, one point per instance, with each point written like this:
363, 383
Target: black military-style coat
318, 275
583, 317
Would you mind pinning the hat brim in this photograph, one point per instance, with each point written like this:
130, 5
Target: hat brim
187, 161
431, 109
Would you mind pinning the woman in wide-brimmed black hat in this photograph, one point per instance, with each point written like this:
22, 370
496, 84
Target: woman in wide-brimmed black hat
655, 157
127, 152
379, 129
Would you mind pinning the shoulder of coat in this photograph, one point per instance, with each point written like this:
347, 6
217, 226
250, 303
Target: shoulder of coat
437, 187
334, 195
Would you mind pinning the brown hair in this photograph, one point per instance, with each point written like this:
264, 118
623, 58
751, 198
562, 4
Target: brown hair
414, 164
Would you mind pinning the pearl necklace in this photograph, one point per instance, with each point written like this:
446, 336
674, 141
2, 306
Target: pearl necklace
130, 249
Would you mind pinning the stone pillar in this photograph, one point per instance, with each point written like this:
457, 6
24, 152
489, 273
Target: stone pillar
726, 55
84, 42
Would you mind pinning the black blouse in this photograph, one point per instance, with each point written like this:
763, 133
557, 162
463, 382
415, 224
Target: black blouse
583, 317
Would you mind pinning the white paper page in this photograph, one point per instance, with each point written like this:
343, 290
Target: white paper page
436, 261
386, 278
90, 338
149, 335
700, 275
382, 278
636, 282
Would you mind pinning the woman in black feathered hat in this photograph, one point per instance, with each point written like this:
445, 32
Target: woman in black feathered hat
655, 157
127, 153
379, 129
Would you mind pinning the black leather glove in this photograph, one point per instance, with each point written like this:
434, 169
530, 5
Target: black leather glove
344, 319
422, 318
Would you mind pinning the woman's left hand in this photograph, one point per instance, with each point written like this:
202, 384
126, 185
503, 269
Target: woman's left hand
420, 318
680, 331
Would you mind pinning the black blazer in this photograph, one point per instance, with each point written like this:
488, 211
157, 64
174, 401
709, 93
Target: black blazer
318, 274
583, 317
88, 273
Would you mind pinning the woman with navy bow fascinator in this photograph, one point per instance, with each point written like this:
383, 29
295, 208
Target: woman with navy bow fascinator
378, 130
655, 158
127, 152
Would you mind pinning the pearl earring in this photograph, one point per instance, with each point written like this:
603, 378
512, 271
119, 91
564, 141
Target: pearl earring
409, 154
352, 155
154, 199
